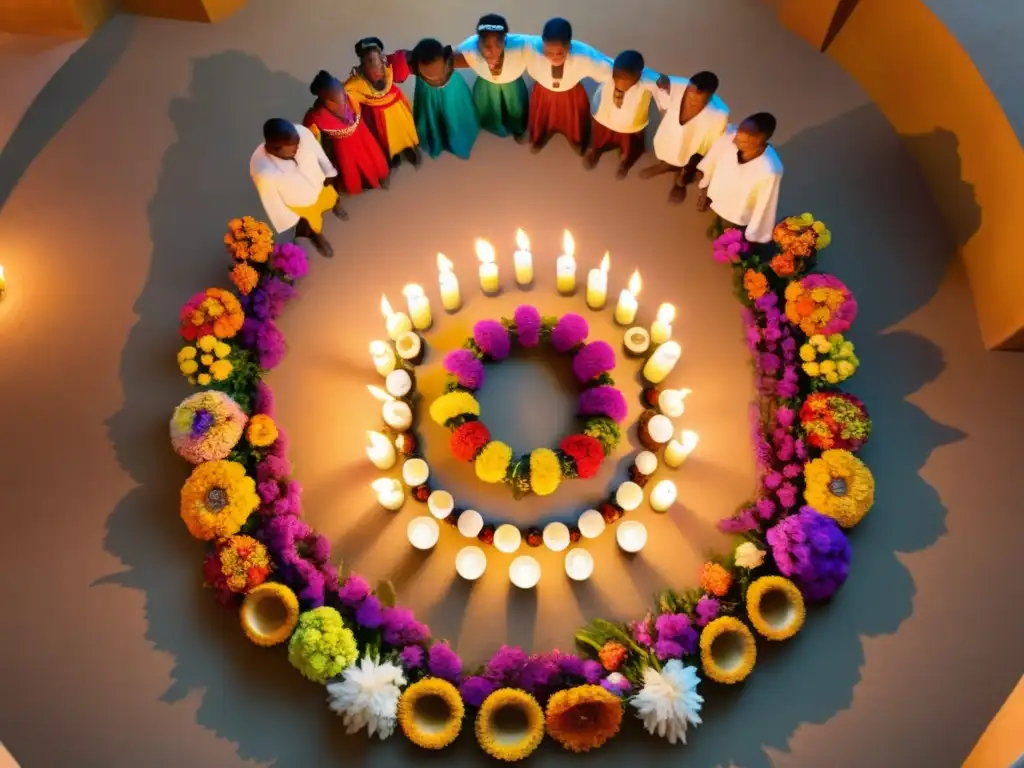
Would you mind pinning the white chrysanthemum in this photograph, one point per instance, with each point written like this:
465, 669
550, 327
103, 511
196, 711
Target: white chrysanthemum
367, 696
669, 701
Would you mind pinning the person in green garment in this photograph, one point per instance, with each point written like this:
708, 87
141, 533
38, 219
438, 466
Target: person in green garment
443, 108
499, 61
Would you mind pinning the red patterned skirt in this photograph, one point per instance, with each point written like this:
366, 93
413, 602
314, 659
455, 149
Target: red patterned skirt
564, 112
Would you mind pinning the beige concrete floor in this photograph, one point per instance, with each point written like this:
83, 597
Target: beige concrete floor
114, 192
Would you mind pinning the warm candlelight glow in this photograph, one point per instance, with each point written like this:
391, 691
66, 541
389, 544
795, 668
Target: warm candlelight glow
489, 282
440, 504
631, 536
635, 283
625, 310
591, 524
579, 564
597, 284
677, 451
385, 306
524, 572
380, 394
383, 357
390, 493
666, 313
470, 563
663, 496
451, 299
484, 251
444, 264
3, 282
397, 322
565, 266
568, 243
380, 450
606, 262
522, 240
522, 259
423, 532
413, 291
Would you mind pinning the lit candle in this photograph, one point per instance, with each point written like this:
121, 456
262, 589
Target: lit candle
661, 328
415, 472
488, 269
398, 383
440, 504
470, 523
524, 572
629, 496
646, 463
397, 322
565, 266
631, 535
556, 536
625, 312
419, 307
659, 429
522, 259
591, 524
383, 357
507, 538
677, 451
380, 450
451, 299
396, 414
470, 563
3, 281
423, 532
390, 493
660, 364
597, 284
663, 496
671, 402
579, 564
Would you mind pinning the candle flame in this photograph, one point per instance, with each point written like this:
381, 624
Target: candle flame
1, 271
606, 262
383, 484
385, 306
666, 313
684, 392
522, 240
635, 284
568, 243
413, 291
378, 348
376, 440
689, 439
484, 251
444, 264
380, 394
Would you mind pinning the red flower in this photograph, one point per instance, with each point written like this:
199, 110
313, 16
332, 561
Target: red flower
406, 444
468, 440
486, 534
421, 493
610, 513
574, 535
638, 477
586, 451
612, 655
651, 395
534, 538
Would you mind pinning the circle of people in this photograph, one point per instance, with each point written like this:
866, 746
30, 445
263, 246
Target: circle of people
360, 129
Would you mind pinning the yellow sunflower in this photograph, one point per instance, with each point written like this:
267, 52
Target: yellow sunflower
217, 499
430, 713
492, 462
727, 650
545, 471
839, 485
452, 404
775, 607
583, 718
510, 725
269, 614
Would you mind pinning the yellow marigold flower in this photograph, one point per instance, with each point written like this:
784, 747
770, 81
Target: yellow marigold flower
832, 377
793, 290
186, 353
820, 343
807, 353
206, 360
839, 485
453, 404
819, 295
775, 607
217, 499
188, 367
583, 718
221, 370
204, 379
492, 462
269, 614
207, 342
244, 277
727, 650
261, 431
510, 725
222, 349
827, 366
418, 708
545, 471
811, 369
845, 368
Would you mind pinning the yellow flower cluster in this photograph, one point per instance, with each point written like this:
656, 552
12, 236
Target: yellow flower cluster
839, 485
794, 231
812, 310
262, 431
418, 713
727, 650
829, 358
545, 471
249, 240
583, 718
492, 462
205, 362
510, 725
775, 607
217, 499
452, 405
269, 614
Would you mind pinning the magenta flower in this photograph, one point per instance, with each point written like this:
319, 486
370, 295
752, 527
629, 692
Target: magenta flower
813, 551
603, 401
290, 260
592, 360
411, 657
467, 369
569, 332
730, 246
443, 662
493, 339
528, 322
475, 689
844, 316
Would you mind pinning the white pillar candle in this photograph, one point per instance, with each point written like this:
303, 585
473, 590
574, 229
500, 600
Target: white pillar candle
659, 428
522, 259
409, 345
390, 493
556, 536
423, 532
677, 451
398, 383
397, 323
672, 403
524, 572
629, 496
660, 364
663, 496
441, 504
646, 463
419, 306
470, 523
661, 328
383, 355
470, 563
625, 311
415, 472
597, 284
451, 299
507, 538
631, 536
579, 564
380, 450
591, 524
565, 266
396, 414
488, 269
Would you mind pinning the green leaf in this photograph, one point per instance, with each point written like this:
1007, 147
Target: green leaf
385, 592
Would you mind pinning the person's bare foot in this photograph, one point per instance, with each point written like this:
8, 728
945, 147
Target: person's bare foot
677, 195
590, 159
657, 169
340, 212
538, 145
322, 246
522, 138
622, 171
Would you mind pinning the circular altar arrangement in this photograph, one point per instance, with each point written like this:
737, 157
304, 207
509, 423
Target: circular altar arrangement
381, 669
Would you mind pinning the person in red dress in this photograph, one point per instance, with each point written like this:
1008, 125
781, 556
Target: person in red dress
348, 142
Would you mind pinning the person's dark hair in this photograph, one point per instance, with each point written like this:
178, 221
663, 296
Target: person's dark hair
323, 81
705, 82
492, 24
428, 50
629, 61
764, 122
368, 44
277, 129
557, 31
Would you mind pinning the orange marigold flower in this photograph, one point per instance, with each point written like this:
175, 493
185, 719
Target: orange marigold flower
245, 278
755, 284
612, 655
783, 264
583, 718
715, 580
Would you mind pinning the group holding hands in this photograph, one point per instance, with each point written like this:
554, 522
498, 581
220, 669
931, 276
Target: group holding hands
358, 130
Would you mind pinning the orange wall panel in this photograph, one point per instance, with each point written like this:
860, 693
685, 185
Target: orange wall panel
54, 17
183, 10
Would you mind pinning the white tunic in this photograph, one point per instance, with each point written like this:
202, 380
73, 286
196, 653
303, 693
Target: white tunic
582, 61
513, 66
675, 144
635, 112
284, 184
745, 194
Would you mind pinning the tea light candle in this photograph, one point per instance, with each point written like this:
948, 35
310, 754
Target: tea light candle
488, 269
398, 383
625, 312
579, 564
597, 284
415, 472
565, 266
396, 414
470, 563
380, 450
440, 504
409, 347
470, 523
663, 496
397, 323
451, 299
3, 282
419, 306
671, 402
677, 451
629, 496
631, 536
423, 532
659, 429
390, 493
660, 364
524, 572
661, 328
556, 536
636, 342
507, 538
522, 259
383, 357
591, 524
646, 463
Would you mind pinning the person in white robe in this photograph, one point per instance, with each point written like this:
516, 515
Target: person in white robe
740, 179
693, 119
293, 177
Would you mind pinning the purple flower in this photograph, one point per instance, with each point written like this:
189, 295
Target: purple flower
617, 684
370, 613
772, 480
476, 689
785, 416
302, 558
411, 657
592, 360
729, 247
787, 495
813, 551
741, 522
467, 369
290, 260
603, 401
493, 339
569, 332
676, 627
765, 509
263, 399
539, 673
707, 610
287, 503
527, 320
506, 665
641, 631
443, 662
202, 420
793, 470
266, 339
267, 302
668, 649
401, 628
354, 590
592, 671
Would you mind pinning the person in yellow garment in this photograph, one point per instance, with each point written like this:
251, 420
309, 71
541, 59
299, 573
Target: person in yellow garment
293, 177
